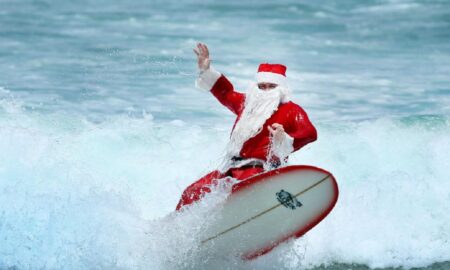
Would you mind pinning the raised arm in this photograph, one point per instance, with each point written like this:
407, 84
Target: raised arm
211, 80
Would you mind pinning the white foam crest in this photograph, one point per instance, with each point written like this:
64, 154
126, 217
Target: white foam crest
393, 194
74, 194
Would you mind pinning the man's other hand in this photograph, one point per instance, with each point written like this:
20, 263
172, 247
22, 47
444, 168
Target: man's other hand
277, 132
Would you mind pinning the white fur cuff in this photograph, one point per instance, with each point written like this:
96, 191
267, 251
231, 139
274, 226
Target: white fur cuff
207, 79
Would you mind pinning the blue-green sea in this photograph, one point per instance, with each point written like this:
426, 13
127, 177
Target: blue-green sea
101, 128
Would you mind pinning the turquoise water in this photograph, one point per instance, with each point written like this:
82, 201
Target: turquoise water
101, 128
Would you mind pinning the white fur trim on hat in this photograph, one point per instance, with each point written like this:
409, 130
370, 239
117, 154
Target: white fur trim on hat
270, 77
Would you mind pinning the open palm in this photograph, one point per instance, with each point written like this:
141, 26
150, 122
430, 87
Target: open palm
202, 53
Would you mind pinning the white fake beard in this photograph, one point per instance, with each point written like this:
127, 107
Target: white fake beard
259, 106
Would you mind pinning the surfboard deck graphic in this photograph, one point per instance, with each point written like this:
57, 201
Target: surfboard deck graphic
268, 209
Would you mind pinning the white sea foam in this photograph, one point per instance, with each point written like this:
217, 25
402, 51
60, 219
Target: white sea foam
101, 128
75, 194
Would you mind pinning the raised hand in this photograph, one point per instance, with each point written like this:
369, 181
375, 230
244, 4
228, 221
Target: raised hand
202, 53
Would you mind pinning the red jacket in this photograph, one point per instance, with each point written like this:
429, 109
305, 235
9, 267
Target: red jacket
291, 116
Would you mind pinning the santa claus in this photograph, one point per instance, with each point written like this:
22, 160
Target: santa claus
267, 129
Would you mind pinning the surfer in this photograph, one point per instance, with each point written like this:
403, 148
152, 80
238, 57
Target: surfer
267, 129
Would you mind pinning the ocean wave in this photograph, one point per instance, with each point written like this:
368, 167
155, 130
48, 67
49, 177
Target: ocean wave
77, 194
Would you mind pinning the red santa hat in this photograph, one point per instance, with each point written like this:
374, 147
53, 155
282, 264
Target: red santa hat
272, 73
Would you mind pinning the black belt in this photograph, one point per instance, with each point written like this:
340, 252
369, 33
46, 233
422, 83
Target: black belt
256, 163
236, 158
251, 164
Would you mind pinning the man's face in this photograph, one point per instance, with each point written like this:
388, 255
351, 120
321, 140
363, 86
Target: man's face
267, 86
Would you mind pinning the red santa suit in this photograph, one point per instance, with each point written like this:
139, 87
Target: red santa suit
251, 150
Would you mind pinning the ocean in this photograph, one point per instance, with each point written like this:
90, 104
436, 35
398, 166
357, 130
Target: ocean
101, 128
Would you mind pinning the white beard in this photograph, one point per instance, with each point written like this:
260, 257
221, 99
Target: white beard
259, 106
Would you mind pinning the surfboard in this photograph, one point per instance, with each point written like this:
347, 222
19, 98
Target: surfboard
265, 210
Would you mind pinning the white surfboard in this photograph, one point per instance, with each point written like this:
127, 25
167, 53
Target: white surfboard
268, 209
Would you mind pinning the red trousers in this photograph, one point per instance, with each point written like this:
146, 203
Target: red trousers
198, 189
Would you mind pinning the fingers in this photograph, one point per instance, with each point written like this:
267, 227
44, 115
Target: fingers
277, 126
206, 49
202, 50
196, 52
